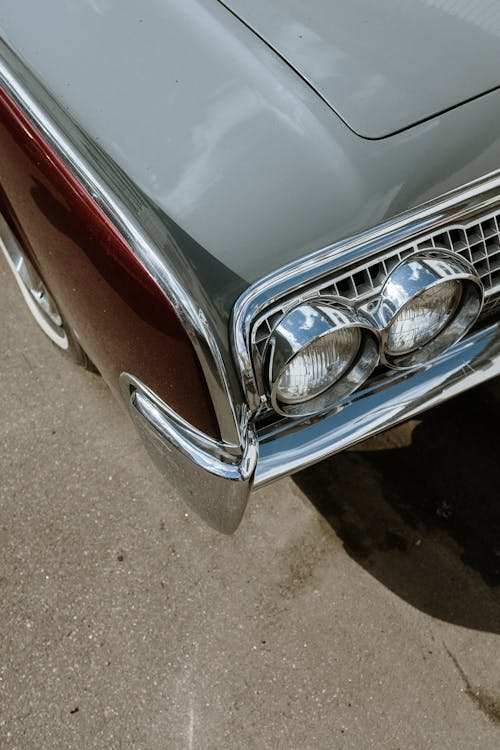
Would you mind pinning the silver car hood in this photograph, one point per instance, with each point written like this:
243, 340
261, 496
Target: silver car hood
385, 65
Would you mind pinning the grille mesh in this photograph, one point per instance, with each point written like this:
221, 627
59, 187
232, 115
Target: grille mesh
477, 242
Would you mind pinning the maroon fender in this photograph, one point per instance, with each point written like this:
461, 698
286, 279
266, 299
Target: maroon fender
123, 320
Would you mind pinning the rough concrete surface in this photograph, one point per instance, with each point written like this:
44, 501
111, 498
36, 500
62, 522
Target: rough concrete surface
356, 607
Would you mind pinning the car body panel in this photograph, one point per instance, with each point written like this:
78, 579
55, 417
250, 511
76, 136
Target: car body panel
384, 66
205, 121
121, 317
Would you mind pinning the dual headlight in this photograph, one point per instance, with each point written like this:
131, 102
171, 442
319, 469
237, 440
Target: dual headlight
322, 350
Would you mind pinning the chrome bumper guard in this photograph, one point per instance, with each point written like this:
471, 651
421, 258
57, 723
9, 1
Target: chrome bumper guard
216, 483
208, 476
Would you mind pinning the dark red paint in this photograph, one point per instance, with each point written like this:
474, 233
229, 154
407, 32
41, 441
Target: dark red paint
123, 319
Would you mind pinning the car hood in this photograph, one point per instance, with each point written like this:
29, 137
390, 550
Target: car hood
387, 65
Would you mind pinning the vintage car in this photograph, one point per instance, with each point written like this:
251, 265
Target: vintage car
273, 227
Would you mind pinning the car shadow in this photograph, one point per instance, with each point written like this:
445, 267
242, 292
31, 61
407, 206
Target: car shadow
419, 508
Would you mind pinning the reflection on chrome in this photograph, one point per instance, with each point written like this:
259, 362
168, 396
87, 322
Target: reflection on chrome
427, 304
288, 446
323, 349
318, 353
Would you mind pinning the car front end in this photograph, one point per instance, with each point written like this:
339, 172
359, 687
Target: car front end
326, 280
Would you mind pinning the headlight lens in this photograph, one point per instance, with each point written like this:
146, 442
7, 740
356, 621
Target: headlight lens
318, 353
316, 367
427, 304
421, 319
324, 349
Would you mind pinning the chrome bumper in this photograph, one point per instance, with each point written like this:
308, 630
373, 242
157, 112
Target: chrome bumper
216, 482
212, 478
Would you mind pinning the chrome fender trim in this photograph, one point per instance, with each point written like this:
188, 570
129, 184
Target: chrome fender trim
213, 481
122, 204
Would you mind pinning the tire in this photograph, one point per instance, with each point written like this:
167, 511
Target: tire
40, 302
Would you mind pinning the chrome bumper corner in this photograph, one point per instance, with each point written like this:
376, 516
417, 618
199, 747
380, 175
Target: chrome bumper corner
213, 481
216, 482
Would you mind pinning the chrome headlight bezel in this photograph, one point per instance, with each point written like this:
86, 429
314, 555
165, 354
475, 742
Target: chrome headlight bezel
465, 221
289, 338
417, 274
414, 276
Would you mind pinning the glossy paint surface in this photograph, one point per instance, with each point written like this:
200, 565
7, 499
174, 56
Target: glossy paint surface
388, 64
225, 140
232, 163
121, 317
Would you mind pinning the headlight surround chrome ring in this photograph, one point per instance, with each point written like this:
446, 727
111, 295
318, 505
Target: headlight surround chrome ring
309, 324
419, 275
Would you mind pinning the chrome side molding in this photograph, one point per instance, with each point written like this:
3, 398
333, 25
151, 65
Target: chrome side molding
213, 481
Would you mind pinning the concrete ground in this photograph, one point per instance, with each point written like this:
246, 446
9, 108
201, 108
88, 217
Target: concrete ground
357, 606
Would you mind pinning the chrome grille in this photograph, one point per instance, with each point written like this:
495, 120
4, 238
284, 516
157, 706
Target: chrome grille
478, 242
